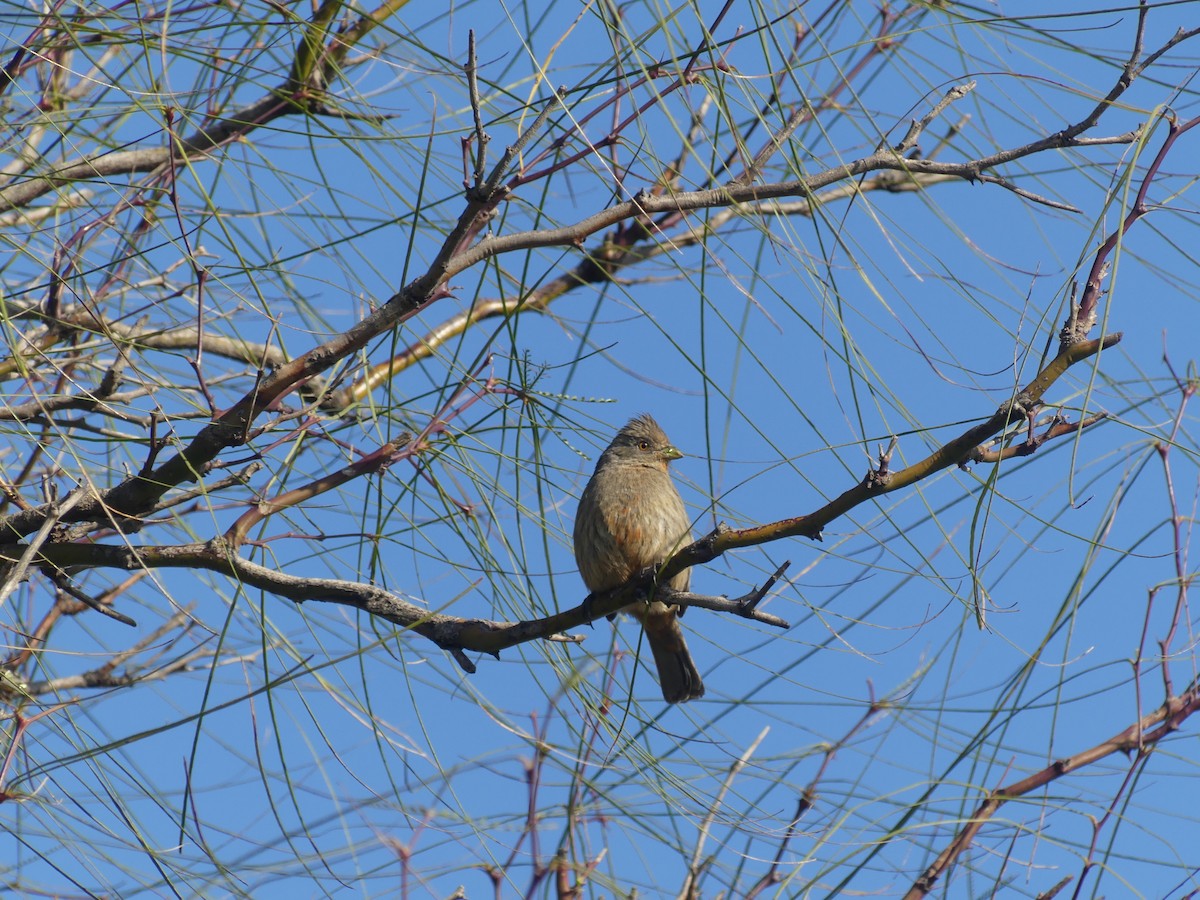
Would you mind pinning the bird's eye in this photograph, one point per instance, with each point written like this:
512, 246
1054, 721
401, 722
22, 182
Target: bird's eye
643, 445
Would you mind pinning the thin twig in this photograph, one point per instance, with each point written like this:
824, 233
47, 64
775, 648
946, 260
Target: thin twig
691, 883
63, 582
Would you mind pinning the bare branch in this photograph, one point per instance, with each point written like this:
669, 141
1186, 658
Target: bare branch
487, 636
952, 453
1138, 739
1058, 427
374, 462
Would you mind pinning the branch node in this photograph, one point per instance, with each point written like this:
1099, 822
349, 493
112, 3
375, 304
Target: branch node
751, 600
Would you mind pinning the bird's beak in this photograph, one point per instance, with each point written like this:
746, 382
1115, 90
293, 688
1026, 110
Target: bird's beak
670, 452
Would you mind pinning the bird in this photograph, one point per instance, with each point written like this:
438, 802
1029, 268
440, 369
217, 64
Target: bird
631, 516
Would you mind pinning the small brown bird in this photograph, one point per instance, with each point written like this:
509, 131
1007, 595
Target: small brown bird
631, 516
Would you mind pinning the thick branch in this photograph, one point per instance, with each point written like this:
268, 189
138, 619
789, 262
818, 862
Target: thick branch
618, 251
448, 632
130, 162
876, 484
487, 636
648, 204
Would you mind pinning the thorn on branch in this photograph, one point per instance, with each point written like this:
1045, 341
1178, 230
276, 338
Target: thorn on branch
749, 601
464, 661
885, 456
880, 476
154, 445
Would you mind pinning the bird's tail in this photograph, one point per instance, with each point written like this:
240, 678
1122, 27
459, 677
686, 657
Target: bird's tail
677, 673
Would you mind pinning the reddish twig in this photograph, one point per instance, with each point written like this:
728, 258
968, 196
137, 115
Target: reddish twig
1138, 740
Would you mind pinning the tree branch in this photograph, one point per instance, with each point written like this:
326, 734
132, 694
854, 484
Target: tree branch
1137, 739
